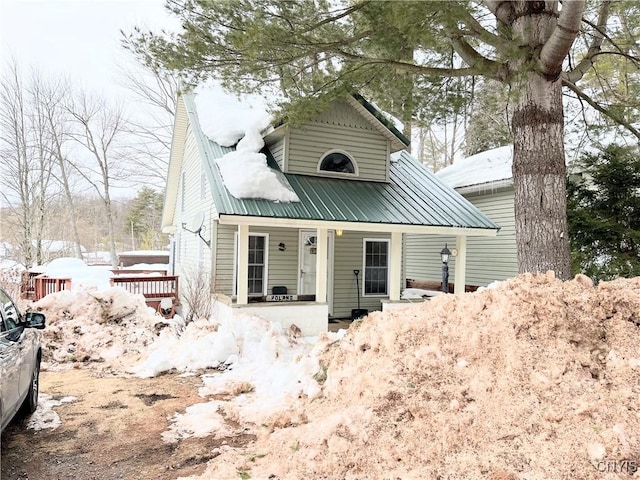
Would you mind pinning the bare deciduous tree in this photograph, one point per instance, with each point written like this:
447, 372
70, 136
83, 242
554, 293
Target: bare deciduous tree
101, 132
27, 162
156, 94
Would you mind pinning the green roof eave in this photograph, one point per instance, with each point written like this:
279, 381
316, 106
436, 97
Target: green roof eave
381, 118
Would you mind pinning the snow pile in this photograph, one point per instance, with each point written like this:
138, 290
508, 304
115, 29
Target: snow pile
262, 370
245, 172
79, 272
535, 378
91, 325
45, 417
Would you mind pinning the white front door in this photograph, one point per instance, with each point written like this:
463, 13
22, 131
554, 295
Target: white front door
307, 262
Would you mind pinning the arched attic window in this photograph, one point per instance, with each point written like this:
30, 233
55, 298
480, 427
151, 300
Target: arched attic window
337, 162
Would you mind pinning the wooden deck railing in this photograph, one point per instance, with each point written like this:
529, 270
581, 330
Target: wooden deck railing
151, 286
45, 285
28, 286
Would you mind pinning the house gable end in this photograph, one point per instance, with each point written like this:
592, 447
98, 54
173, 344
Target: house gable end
341, 129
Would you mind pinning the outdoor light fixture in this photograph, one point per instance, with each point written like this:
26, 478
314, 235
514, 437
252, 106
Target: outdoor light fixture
282, 247
445, 253
339, 232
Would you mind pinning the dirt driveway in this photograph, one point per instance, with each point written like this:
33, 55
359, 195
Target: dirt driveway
110, 432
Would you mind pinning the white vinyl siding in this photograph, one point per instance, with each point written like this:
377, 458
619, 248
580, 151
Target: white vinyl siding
368, 148
282, 268
194, 255
278, 150
349, 257
488, 258
183, 190
344, 115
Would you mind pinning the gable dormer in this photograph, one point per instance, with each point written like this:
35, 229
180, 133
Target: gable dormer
349, 141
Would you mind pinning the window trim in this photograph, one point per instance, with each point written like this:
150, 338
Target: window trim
265, 273
356, 170
364, 267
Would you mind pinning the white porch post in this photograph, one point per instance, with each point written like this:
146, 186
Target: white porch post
395, 266
461, 264
243, 265
321, 265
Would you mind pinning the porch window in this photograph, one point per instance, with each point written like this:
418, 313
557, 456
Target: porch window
257, 260
376, 267
257, 268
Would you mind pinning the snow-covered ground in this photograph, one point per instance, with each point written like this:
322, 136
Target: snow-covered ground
534, 378
253, 361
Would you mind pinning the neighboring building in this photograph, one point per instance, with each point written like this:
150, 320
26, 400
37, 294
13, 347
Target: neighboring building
145, 257
341, 201
52, 249
485, 180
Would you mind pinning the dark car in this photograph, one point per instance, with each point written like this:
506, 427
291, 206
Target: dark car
20, 355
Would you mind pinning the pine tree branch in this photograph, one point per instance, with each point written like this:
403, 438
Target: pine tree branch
474, 59
344, 13
411, 67
502, 10
482, 33
605, 111
594, 49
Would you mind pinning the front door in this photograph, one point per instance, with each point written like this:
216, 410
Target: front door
307, 261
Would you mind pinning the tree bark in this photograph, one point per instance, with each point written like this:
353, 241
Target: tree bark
539, 179
539, 171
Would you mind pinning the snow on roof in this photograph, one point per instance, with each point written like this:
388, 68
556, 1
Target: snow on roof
246, 174
225, 120
484, 167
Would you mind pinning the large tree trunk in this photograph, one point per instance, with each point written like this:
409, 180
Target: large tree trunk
539, 179
539, 171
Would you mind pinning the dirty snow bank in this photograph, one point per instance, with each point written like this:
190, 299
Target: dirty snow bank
96, 325
533, 379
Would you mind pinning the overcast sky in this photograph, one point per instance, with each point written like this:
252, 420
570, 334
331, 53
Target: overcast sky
75, 38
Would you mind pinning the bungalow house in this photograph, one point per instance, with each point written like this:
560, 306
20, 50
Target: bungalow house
302, 223
485, 180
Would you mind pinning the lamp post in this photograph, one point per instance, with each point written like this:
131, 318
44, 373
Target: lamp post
444, 256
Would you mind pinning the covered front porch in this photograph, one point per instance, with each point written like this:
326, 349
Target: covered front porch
338, 248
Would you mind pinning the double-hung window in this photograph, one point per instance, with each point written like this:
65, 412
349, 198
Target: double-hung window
376, 267
257, 264
257, 268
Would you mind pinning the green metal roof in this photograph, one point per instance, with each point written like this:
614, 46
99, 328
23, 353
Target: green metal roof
413, 196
